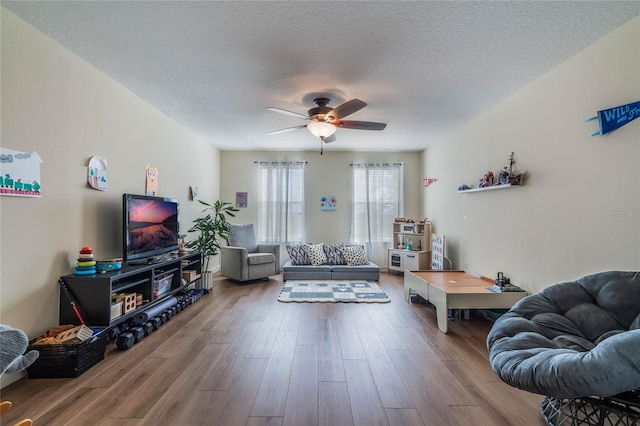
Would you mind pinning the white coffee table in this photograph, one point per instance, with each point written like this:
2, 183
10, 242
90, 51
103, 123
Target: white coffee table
456, 290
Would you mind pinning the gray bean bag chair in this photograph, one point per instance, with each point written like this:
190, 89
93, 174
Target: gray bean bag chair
573, 339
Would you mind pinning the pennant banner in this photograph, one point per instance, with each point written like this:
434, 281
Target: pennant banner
613, 118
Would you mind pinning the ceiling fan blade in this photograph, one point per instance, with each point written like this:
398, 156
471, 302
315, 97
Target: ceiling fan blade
330, 139
346, 108
289, 113
361, 125
288, 129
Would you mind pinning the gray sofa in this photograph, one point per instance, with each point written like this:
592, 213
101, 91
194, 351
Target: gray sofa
329, 262
369, 272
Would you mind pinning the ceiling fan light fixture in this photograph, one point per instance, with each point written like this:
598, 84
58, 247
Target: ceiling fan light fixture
320, 129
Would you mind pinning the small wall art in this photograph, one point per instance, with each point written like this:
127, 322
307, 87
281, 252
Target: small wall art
97, 173
193, 192
20, 173
428, 181
241, 199
152, 181
328, 203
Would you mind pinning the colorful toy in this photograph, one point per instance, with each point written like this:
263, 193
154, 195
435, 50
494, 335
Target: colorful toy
85, 264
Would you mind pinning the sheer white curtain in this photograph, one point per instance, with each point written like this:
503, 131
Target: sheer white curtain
378, 190
280, 202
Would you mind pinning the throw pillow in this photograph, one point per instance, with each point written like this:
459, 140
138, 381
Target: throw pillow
355, 255
334, 254
316, 254
298, 255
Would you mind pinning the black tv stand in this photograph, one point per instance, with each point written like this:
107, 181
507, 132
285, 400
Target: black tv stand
93, 293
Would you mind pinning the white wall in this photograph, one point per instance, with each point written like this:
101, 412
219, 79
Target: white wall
328, 174
579, 211
58, 105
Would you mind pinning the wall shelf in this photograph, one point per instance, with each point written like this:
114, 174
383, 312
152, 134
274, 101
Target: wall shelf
488, 188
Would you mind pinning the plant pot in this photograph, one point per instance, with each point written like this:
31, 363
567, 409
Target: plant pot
206, 281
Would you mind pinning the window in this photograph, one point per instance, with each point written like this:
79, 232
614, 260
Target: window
377, 200
280, 202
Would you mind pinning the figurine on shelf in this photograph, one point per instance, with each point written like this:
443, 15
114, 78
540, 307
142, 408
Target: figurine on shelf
503, 177
487, 180
514, 178
181, 246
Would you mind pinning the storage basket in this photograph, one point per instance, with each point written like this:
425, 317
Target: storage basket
68, 359
162, 285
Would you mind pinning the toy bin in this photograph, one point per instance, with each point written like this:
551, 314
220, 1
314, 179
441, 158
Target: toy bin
162, 285
68, 359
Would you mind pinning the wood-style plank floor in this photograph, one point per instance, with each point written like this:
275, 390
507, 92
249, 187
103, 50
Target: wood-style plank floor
240, 357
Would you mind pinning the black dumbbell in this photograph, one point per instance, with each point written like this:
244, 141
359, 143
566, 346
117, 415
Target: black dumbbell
114, 332
138, 333
164, 318
148, 328
169, 313
125, 341
123, 326
157, 322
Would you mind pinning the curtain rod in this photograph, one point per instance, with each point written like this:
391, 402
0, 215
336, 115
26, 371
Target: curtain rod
376, 164
280, 162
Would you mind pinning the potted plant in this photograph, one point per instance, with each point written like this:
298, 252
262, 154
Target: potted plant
211, 227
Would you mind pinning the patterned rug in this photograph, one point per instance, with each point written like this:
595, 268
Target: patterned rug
332, 291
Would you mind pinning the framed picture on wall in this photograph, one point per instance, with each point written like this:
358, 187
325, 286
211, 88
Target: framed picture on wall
328, 203
241, 199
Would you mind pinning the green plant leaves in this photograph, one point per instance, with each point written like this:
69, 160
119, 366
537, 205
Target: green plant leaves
211, 227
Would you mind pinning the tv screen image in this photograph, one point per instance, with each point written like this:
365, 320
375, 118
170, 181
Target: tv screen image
150, 226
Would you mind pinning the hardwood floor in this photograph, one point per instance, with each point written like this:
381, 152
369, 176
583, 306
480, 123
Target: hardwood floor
240, 357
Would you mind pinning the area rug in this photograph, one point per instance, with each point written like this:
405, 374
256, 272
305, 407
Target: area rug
332, 291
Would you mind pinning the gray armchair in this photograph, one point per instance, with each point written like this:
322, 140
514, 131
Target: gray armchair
244, 260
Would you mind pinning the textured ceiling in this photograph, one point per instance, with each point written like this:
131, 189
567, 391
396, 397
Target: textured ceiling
425, 68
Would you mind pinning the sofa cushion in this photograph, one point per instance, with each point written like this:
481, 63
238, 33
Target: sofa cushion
334, 254
289, 267
298, 254
305, 272
368, 272
316, 254
260, 258
355, 255
243, 236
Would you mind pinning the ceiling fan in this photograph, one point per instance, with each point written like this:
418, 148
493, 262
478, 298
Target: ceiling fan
325, 120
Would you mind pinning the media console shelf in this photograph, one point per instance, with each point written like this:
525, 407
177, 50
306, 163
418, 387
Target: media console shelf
92, 293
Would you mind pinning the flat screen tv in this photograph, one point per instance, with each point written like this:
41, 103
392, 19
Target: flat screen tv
150, 226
